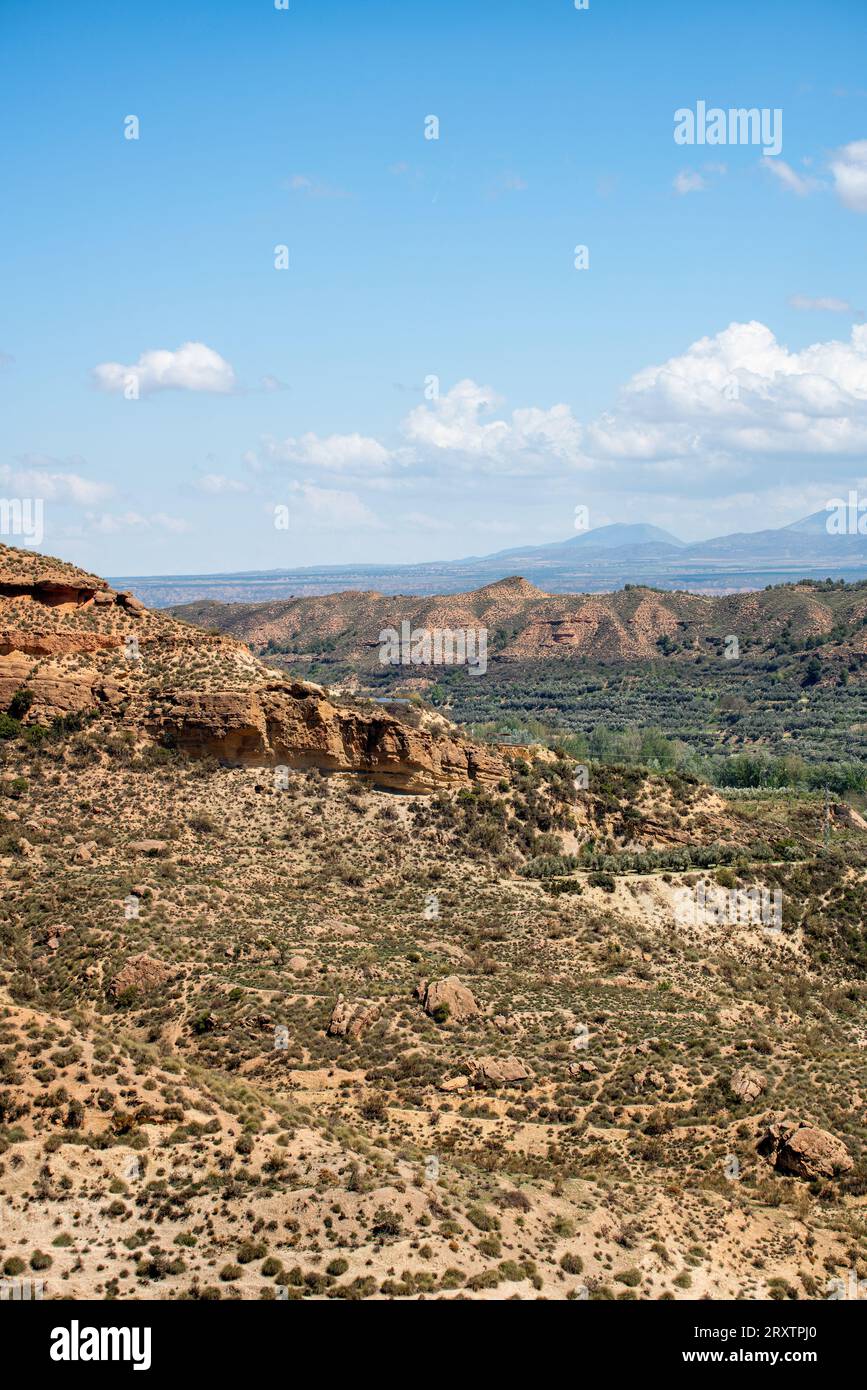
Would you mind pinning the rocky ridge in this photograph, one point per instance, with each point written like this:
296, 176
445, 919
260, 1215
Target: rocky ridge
81, 648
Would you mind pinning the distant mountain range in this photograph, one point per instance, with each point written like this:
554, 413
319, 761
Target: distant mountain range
594, 561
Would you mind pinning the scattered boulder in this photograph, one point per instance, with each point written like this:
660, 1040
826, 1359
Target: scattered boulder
141, 973
451, 952
350, 1020
804, 1151
130, 602
583, 1068
149, 847
747, 1084
498, 1071
649, 1080
448, 1001
54, 936
455, 1083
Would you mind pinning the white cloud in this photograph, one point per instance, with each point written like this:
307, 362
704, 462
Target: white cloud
193, 367
801, 184
689, 181
455, 426
334, 453
734, 402
826, 304
712, 420
697, 181
39, 480
217, 484
849, 168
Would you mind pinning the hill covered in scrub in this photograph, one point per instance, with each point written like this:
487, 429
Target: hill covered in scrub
272, 1031
774, 679
526, 625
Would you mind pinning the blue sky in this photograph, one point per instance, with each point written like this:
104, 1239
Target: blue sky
413, 258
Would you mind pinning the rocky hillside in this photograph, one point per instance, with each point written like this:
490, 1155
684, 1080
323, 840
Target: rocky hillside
72, 647
316, 1041
527, 625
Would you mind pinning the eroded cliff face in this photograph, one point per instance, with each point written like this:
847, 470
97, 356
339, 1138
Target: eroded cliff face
80, 647
294, 724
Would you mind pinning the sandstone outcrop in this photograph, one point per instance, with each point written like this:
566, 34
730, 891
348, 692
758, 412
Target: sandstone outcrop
294, 724
649, 1080
350, 1020
80, 647
449, 1001
141, 973
747, 1083
804, 1151
498, 1071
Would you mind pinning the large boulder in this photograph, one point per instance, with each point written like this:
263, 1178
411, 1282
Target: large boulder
804, 1151
449, 1001
747, 1084
350, 1020
649, 1080
498, 1071
141, 973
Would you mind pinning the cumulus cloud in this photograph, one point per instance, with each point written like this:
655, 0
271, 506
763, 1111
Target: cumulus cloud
849, 169
333, 453
457, 425
193, 367
734, 401
712, 420
41, 478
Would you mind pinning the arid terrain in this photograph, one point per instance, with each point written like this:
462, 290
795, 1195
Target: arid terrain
304, 998
525, 624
